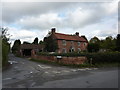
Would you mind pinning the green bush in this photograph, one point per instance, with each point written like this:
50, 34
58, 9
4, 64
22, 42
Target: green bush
100, 57
106, 57
5, 51
93, 47
62, 64
62, 54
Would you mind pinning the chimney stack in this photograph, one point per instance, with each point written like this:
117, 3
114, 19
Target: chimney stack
77, 33
53, 30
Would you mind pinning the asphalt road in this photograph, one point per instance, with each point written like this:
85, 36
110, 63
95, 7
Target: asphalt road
23, 73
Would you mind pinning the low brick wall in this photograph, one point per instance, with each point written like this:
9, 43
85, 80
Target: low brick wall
63, 59
73, 60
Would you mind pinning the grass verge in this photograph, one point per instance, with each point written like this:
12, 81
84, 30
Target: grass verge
85, 65
62, 64
105, 64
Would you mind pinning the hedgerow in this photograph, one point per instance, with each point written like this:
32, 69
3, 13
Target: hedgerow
100, 57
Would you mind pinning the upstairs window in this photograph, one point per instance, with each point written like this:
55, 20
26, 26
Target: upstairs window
64, 42
78, 43
85, 44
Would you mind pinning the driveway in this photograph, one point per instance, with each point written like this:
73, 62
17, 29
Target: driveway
23, 73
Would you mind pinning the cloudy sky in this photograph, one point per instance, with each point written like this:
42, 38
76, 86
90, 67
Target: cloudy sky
27, 20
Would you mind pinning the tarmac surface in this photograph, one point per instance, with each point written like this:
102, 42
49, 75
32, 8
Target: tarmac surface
24, 73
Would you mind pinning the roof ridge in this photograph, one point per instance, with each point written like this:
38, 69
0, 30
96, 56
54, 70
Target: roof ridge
69, 37
66, 34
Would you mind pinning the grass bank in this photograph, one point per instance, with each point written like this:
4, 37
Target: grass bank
61, 64
5, 52
85, 65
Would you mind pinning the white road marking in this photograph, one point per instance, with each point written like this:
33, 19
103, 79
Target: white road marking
44, 67
66, 71
74, 70
56, 72
46, 72
31, 72
7, 78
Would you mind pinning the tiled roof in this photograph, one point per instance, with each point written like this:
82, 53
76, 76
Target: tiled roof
69, 37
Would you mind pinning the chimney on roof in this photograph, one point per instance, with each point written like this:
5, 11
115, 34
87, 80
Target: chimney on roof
77, 33
53, 30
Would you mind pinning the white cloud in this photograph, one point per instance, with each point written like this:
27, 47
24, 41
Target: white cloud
74, 17
16, 34
43, 21
13, 11
111, 7
36, 19
25, 35
57, 0
90, 11
102, 34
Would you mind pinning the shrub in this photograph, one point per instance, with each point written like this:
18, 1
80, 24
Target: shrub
62, 54
5, 51
106, 57
93, 47
100, 57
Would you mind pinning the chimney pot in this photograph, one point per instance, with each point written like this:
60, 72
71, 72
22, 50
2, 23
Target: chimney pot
77, 33
53, 30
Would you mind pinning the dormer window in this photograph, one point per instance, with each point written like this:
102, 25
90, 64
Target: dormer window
78, 43
64, 42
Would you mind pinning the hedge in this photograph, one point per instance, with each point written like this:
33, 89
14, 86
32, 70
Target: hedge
106, 57
100, 57
5, 51
61, 54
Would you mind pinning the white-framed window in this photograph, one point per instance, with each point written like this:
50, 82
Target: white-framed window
79, 50
72, 49
85, 44
78, 43
64, 42
64, 50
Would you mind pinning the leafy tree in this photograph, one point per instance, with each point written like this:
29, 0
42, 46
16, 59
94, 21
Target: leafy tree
4, 34
118, 43
50, 44
41, 42
108, 43
93, 47
95, 40
16, 46
35, 40
25, 42
5, 46
113, 46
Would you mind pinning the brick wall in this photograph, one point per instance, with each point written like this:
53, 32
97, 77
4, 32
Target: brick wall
65, 60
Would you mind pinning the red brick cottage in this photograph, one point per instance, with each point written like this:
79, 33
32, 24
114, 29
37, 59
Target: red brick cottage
69, 43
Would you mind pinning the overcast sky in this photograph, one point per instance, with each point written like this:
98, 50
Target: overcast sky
27, 20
